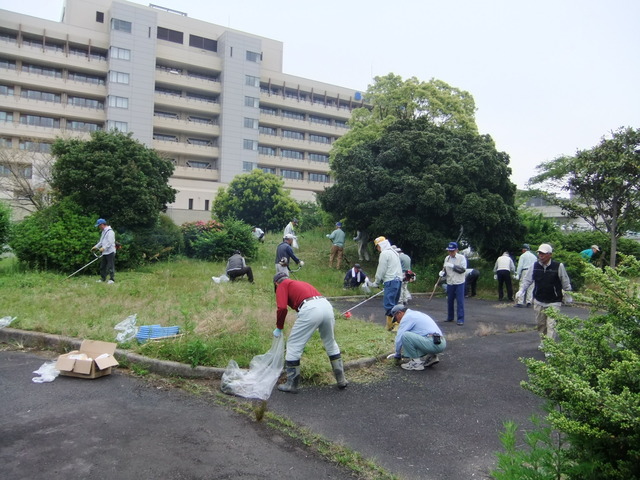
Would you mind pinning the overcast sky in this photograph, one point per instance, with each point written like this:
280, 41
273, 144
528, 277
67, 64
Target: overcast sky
548, 77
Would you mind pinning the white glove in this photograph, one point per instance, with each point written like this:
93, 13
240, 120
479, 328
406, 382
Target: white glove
441, 273
354, 238
327, 235
301, 263
448, 264
391, 355
277, 332
515, 277
374, 285
495, 277
567, 297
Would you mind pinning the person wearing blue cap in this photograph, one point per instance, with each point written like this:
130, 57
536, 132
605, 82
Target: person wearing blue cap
107, 247
337, 245
454, 271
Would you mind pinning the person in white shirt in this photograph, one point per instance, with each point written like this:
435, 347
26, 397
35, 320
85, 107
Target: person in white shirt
503, 269
525, 262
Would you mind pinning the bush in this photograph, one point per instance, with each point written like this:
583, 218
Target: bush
56, 238
214, 241
5, 224
155, 243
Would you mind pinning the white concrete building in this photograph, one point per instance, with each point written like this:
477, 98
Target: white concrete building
213, 100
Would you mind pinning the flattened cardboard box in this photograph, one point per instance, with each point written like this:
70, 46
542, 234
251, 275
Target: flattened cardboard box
99, 362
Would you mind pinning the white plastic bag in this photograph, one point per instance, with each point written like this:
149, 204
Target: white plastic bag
259, 380
47, 372
6, 321
221, 279
127, 328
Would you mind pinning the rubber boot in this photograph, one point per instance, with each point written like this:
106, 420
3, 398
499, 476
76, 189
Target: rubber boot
338, 372
389, 323
293, 378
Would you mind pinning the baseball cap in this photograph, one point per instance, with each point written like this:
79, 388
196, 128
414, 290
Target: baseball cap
452, 246
545, 248
357, 265
338, 224
397, 308
596, 248
288, 236
100, 221
279, 276
525, 246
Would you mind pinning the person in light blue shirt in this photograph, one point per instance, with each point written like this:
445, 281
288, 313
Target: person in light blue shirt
419, 337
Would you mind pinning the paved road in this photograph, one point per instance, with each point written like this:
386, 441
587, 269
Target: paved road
441, 423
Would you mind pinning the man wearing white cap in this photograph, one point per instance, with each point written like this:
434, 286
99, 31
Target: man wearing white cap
550, 279
589, 252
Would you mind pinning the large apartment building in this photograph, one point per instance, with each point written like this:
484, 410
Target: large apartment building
213, 100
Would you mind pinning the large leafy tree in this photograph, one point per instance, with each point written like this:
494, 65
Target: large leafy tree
419, 183
114, 175
257, 198
603, 183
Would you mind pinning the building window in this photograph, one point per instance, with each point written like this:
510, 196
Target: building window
253, 56
203, 43
248, 166
268, 111
267, 151
38, 121
204, 121
341, 124
85, 78
291, 154
252, 102
202, 97
5, 142
100, 17
158, 113
293, 115
120, 25
320, 120
191, 204
85, 102
319, 157
118, 102
319, 177
22, 170
199, 141
120, 126
6, 117
170, 35
319, 139
165, 138
120, 53
251, 123
250, 144
269, 170
293, 174
252, 81
39, 147
119, 77
6, 90
206, 205
39, 95
267, 131
40, 70
197, 164
83, 126
293, 134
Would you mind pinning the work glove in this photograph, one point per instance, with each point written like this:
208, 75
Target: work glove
567, 297
94, 248
354, 238
442, 273
301, 263
495, 277
101, 249
375, 285
396, 359
515, 277
277, 332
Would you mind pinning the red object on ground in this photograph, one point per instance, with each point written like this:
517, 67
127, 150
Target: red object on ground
347, 315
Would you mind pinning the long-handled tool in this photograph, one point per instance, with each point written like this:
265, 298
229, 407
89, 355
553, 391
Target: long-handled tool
82, 268
364, 301
434, 288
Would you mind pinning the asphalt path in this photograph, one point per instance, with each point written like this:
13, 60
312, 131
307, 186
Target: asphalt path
440, 423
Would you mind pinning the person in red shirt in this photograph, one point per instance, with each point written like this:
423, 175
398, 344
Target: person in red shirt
314, 313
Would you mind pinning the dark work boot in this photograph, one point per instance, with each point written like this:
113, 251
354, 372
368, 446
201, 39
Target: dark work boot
293, 378
338, 371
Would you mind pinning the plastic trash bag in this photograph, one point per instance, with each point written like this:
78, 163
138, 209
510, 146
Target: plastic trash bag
5, 321
221, 279
127, 329
47, 372
259, 380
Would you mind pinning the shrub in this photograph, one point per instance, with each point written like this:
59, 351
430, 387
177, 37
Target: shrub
5, 224
155, 243
214, 241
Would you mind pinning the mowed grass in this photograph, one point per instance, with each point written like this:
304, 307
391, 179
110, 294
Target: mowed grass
219, 322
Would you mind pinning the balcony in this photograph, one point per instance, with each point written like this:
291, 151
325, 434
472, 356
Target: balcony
184, 104
175, 125
292, 163
51, 109
294, 144
187, 82
38, 55
174, 149
309, 107
189, 173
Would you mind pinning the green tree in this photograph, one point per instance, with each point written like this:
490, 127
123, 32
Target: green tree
114, 175
391, 98
419, 183
591, 377
5, 224
256, 198
603, 183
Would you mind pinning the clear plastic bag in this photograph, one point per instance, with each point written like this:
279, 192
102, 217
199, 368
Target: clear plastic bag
47, 372
257, 382
6, 321
221, 279
127, 329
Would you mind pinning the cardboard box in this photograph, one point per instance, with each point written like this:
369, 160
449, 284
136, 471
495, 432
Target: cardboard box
93, 360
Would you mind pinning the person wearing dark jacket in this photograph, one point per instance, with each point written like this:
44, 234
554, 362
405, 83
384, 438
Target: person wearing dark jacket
284, 254
237, 267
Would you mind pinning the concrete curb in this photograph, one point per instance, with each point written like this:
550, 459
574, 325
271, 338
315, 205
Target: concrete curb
160, 367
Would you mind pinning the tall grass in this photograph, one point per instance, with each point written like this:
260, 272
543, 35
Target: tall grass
219, 321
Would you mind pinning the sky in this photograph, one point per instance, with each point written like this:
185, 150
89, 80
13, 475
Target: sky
548, 77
